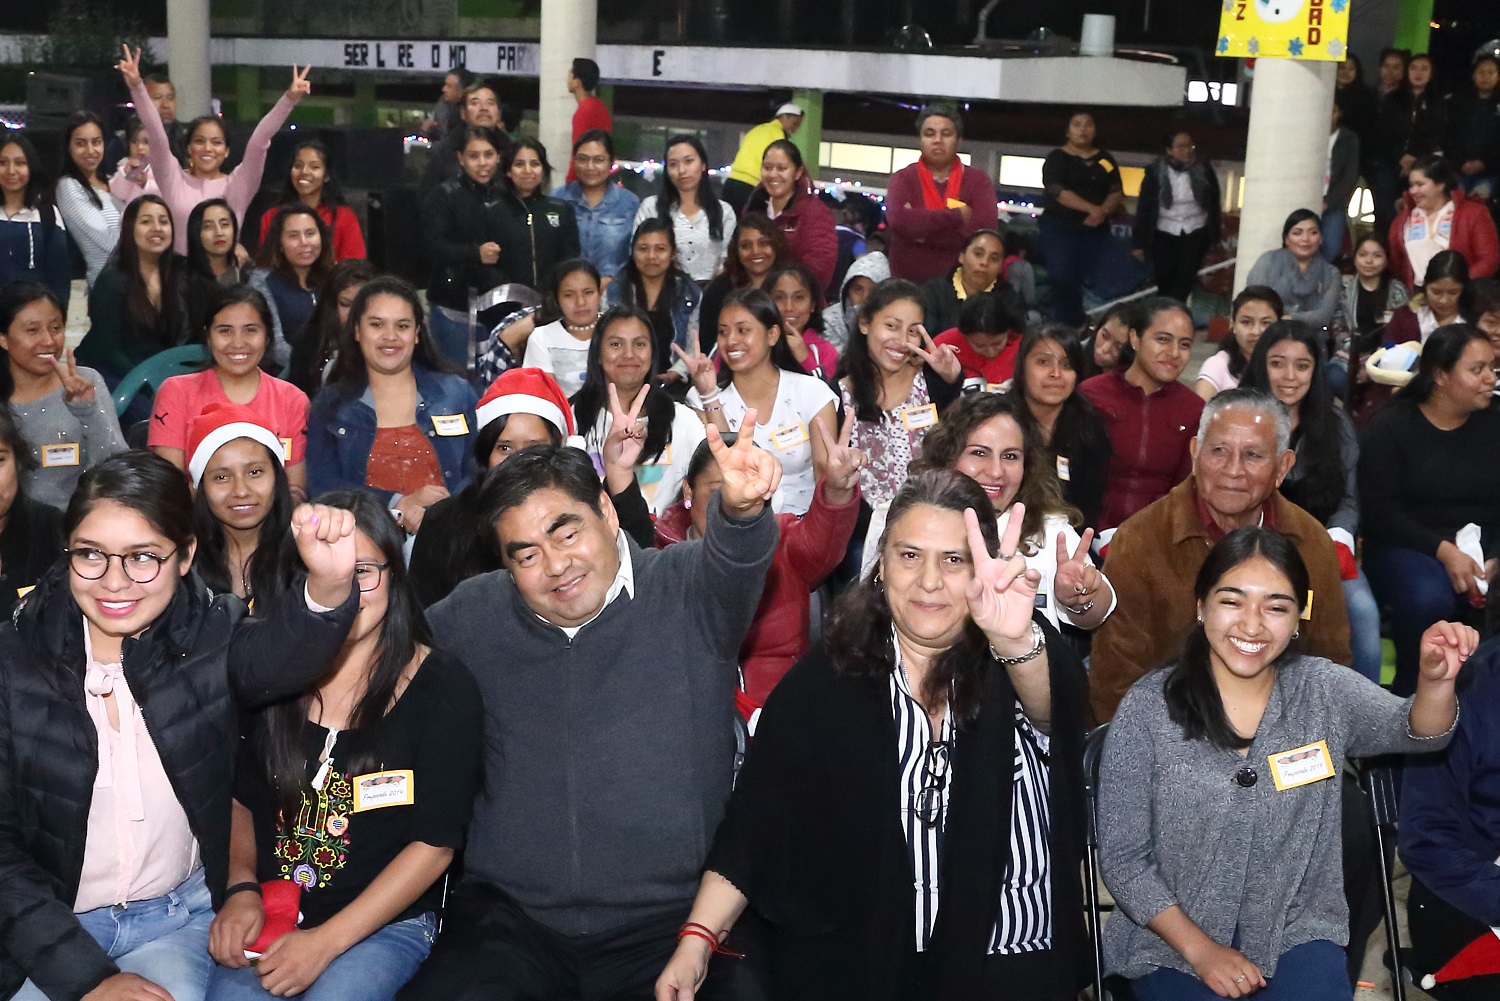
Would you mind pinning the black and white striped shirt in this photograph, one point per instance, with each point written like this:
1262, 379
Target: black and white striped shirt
1025, 920
923, 765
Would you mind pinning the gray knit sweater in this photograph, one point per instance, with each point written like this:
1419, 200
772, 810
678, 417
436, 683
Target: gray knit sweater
50, 420
609, 756
1175, 828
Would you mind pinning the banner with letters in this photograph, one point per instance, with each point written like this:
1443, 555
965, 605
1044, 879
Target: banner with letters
1284, 29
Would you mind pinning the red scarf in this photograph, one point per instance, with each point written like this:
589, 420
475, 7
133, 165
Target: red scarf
930, 197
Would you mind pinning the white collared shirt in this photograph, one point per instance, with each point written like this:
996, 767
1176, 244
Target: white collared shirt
624, 581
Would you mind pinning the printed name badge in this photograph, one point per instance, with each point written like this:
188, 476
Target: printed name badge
1307, 609
1301, 766
997, 387
59, 455
789, 437
1040, 601
451, 425
377, 790
286, 450
917, 418
1063, 472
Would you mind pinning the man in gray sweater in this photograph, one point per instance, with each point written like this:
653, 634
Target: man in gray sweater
608, 677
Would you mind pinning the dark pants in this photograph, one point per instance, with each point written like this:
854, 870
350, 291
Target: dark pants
490, 950
1071, 252
999, 978
1415, 588
1386, 186
1175, 261
1439, 932
736, 193
1313, 971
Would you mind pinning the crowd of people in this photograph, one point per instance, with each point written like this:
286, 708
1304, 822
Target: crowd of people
731, 625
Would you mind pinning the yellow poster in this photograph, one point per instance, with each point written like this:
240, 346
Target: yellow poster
1284, 29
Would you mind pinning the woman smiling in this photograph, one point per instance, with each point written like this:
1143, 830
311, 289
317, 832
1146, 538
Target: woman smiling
311, 182
293, 262
787, 197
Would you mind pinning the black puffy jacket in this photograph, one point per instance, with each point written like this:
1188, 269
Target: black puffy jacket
190, 671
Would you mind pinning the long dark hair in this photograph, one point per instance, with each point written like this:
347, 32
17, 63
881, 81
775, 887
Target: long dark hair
1192, 695
145, 483
164, 319
803, 275
401, 631
264, 577
508, 160
864, 380
322, 332
1441, 353
552, 305
198, 264
757, 302
333, 192
13, 298
632, 287
1230, 345
270, 254
781, 251
74, 122
1322, 479
858, 637
348, 371
20, 452
592, 398
1077, 422
34, 195
667, 197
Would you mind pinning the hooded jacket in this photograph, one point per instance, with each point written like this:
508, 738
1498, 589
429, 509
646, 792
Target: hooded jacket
808, 226
836, 327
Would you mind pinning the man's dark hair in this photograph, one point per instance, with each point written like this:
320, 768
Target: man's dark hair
157, 78
587, 72
463, 75
540, 467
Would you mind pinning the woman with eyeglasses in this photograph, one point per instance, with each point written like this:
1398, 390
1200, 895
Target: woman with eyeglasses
358, 792
1219, 792
908, 820
118, 726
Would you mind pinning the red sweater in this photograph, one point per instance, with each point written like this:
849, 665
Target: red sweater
348, 240
1150, 435
810, 548
591, 113
1473, 236
925, 243
983, 372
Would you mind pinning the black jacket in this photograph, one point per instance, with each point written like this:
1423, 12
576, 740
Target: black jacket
1473, 130
31, 543
200, 662
460, 216
812, 835
536, 234
1155, 188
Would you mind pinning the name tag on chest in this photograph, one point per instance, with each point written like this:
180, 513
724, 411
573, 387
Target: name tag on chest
450, 425
1301, 766
377, 790
789, 437
917, 418
59, 455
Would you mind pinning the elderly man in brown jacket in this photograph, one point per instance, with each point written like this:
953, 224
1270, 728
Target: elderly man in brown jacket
1240, 457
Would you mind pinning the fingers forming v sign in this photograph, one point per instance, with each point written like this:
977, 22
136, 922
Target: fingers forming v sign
751, 475
1002, 593
300, 87
843, 463
700, 367
1076, 580
627, 432
76, 388
943, 360
130, 66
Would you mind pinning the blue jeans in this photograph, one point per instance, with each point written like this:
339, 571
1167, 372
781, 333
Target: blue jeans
374, 970
450, 335
164, 940
1364, 627
1416, 589
1313, 971
1071, 252
1335, 222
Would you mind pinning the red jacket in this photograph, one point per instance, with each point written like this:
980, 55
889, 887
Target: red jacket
591, 113
1473, 236
925, 243
348, 240
810, 548
809, 229
1150, 435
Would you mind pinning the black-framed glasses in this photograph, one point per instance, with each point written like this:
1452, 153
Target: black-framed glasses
928, 802
367, 575
141, 568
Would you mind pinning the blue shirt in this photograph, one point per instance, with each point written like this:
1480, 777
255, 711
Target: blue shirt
604, 230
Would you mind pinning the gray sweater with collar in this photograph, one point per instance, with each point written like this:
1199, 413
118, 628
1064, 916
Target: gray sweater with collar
609, 756
1175, 828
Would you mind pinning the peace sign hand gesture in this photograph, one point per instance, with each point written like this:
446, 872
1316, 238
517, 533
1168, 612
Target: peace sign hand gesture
943, 360
841, 471
300, 88
751, 475
627, 438
130, 66
1077, 581
1003, 591
700, 367
76, 388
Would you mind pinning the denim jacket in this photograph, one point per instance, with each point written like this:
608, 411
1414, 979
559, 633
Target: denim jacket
603, 230
341, 433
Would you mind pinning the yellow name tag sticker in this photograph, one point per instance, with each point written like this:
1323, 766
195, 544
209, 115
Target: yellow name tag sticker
377, 790
789, 437
286, 450
1063, 472
1307, 609
22, 592
917, 418
997, 387
450, 425
60, 455
1108, 167
954, 203
1301, 766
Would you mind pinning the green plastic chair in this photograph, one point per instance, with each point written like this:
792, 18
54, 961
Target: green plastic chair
151, 373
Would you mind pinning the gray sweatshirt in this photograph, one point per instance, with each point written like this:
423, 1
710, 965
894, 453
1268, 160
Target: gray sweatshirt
48, 422
609, 756
1175, 828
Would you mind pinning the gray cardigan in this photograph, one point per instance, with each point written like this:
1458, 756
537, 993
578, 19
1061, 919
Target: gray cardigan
93, 427
1311, 296
1175, 828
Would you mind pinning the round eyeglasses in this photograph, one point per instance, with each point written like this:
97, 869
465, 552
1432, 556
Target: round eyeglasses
141, 568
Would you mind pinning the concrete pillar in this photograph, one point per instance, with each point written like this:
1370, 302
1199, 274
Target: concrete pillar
1286, 152
569, 31
809, 137
1413, 25
188, 58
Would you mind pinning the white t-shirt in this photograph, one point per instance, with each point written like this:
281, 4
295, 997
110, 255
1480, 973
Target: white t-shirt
700, 255
558, 353
786, 433
1215, 372
1043, 561
660, 478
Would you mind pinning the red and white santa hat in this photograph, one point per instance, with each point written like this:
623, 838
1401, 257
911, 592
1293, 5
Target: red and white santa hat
219, 424
528, 391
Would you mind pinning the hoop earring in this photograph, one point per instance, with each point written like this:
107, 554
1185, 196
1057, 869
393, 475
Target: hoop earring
1296, 634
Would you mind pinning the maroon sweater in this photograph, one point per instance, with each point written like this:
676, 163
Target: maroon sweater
1150, 435
925, 243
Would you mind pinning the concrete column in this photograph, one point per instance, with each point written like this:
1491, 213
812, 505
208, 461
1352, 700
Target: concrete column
569, 30
809, 137
188, 59
1286, 152
1413, 25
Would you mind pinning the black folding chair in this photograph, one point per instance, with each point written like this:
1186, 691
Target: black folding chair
1093, 750
741, 743
1379, 780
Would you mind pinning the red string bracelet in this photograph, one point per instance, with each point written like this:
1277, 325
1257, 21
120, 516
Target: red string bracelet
715, 942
